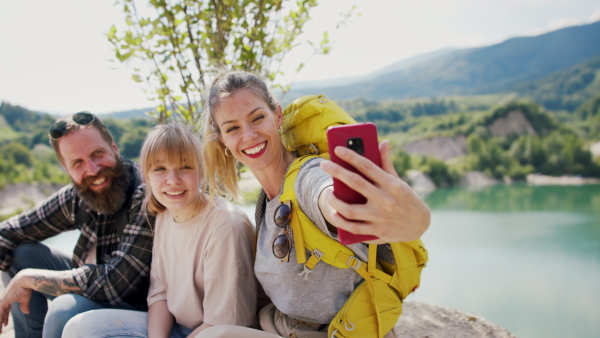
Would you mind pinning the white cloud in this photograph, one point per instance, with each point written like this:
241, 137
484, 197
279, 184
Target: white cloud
595, 16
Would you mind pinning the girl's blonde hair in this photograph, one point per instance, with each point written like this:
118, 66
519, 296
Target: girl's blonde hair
222, 177
175, 144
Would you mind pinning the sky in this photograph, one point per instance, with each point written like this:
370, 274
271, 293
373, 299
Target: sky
55, 58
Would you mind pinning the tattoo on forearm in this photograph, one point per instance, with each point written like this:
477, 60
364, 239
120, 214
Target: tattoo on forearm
54, 286
70, 284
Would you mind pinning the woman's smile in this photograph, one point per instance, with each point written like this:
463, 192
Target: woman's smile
256, 150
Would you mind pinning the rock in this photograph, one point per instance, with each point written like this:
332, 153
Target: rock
421, 320
420, 182
539, 179
443, 148
513, 123
23, 196
418, 320
595, 149
477, 179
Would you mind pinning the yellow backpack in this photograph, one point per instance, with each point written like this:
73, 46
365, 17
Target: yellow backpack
392, 272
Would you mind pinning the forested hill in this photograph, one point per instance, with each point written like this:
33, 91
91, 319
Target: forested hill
564, 90
481, 70
30, 126
30, 129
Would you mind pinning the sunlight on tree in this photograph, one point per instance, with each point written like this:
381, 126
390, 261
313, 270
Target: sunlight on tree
175, 48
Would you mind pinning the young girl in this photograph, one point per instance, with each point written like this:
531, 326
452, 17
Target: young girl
201, 271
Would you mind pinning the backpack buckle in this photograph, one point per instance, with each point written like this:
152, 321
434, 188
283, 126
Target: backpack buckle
317, 253
353, 262
323, 99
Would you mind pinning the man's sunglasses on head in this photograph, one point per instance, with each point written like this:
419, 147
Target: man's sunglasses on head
58, 128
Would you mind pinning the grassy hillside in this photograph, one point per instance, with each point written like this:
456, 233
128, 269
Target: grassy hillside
6, 132
22, 119
30, 127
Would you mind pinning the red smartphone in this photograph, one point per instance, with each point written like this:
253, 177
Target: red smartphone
362, 138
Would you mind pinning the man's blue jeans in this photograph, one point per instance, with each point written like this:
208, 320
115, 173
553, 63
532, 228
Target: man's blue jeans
62, 308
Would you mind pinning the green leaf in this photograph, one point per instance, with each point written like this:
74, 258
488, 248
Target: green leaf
111, 33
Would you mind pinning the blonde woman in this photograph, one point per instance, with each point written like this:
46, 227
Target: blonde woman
201, 272
242, 125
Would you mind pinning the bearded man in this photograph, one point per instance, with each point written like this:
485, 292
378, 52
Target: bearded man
110, 265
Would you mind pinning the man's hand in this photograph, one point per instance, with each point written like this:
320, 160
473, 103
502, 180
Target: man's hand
15, 291
393, 212
53, 283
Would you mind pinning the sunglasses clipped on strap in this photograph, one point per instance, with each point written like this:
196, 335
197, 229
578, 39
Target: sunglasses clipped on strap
282, 244
58, 128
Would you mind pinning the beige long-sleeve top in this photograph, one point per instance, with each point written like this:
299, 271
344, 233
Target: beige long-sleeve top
203, 267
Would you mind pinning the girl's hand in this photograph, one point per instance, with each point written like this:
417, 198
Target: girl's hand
393, 212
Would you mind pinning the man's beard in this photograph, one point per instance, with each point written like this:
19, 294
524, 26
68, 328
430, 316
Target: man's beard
112, 198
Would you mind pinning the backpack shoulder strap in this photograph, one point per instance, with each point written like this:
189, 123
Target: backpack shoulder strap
259, 214
260, 208
307, 236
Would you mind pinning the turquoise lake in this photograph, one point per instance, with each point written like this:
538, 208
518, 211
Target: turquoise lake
526, 258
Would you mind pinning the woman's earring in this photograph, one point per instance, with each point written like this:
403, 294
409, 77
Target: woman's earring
227, 150
280, 129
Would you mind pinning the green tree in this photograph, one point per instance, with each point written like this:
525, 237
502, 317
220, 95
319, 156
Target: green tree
131, 142
528, 150
438, 171
489, 156
565, 155
588, 116
401, 161
179, 45
18, 152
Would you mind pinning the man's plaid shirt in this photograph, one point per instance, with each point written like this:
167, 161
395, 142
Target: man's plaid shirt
123, 264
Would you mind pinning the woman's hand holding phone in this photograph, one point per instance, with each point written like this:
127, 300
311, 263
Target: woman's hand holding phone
360, 138
392, 211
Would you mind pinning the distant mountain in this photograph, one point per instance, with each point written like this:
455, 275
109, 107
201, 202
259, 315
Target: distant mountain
129, 114
400, 65
472, 71
565, 89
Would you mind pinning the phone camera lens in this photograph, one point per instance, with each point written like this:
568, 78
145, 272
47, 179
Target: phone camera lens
356, 144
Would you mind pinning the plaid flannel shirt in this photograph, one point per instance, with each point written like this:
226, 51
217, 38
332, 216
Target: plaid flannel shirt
123, 264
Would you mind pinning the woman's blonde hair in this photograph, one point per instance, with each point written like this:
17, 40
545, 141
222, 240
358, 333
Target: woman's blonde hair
174, 144
222, 177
